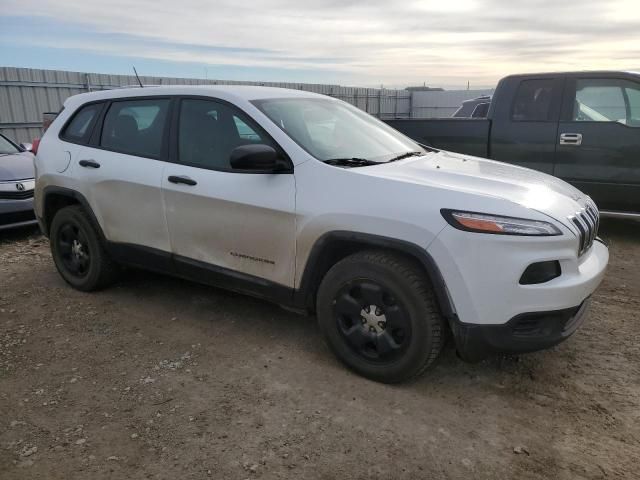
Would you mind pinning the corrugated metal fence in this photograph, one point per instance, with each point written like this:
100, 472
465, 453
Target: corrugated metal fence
25, 94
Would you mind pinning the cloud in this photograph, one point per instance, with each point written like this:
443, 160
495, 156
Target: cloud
373, 42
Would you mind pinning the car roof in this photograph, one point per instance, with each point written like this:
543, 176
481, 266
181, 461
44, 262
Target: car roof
227, 92
584, 73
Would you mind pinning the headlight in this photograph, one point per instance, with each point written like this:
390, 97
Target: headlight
485, 223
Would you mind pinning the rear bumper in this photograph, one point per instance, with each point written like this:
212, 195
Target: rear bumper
527, 332
16, 213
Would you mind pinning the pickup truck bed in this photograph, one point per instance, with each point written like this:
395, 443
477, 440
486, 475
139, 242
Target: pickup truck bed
462, 135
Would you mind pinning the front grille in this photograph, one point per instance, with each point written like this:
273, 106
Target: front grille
17, 195
587, 222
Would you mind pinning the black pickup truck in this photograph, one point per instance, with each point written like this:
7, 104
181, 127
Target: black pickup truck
583, 127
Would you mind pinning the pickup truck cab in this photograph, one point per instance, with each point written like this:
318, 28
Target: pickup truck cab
311, 203
583, 127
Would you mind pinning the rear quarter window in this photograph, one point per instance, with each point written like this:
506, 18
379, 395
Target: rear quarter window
79, 128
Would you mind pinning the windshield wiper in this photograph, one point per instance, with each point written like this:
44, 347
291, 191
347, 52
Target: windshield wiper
350, 162
405, 155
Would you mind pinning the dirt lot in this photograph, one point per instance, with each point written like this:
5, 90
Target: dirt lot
160, 378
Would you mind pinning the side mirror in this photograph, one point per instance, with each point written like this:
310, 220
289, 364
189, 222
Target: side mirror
258, 157
26, 147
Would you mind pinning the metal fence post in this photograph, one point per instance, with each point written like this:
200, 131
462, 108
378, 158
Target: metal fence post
410, 104
395, 107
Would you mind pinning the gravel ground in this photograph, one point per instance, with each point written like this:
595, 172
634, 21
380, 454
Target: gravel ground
161, 378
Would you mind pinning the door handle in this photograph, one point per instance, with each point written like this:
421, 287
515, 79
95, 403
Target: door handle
89, 164
182, 179
574, 139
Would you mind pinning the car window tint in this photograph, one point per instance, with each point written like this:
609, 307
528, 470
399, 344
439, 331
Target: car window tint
208, 132
533, 101
244, 130
78, 129
607, 100
7, 147
481, 110
633, 94
599, 101
135, 127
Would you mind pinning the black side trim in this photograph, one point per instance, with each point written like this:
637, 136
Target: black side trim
228, 279
197, 271
335, 245
146, 258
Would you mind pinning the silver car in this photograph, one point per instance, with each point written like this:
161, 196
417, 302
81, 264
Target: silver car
16, 185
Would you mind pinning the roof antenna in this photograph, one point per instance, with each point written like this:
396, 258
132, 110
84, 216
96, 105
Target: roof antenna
139, 81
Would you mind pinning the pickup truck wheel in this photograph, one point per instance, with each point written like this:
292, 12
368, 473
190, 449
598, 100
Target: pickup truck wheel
78, 252
379, 315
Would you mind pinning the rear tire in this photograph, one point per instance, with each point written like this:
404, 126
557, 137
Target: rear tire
78, 252
379, 315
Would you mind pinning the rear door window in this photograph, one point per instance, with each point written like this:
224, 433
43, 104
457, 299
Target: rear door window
533, 101
135, 127
79, 128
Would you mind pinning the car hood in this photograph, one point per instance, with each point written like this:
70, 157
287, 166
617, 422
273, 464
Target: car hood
17, 166
529, 188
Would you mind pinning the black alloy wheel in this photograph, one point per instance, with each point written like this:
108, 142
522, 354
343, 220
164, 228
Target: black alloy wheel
78, 251
74, 249
372, 321
378, 313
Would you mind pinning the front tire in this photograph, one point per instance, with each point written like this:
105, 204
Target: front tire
379, 315
78, 252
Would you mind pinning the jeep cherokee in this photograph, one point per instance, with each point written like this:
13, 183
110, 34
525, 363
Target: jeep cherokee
313, 204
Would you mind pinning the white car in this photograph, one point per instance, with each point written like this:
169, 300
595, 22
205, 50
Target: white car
309, 202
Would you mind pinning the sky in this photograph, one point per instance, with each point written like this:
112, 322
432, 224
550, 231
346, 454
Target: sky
446, 43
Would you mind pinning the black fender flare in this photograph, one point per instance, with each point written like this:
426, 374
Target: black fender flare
320, 256
76, 196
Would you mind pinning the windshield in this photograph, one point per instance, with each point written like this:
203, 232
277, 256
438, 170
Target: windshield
331, 130
6, 147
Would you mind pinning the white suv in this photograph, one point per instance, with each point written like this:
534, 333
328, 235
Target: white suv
309, 202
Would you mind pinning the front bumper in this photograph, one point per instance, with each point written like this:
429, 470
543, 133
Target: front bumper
16, 213
524, 333
493, 312
482, 274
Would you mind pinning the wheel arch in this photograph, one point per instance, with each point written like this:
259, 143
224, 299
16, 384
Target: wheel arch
55, 198
333, 246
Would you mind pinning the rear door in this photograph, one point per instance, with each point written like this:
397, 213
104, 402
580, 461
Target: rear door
598, 143
524, 130
120, 173
226, 225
